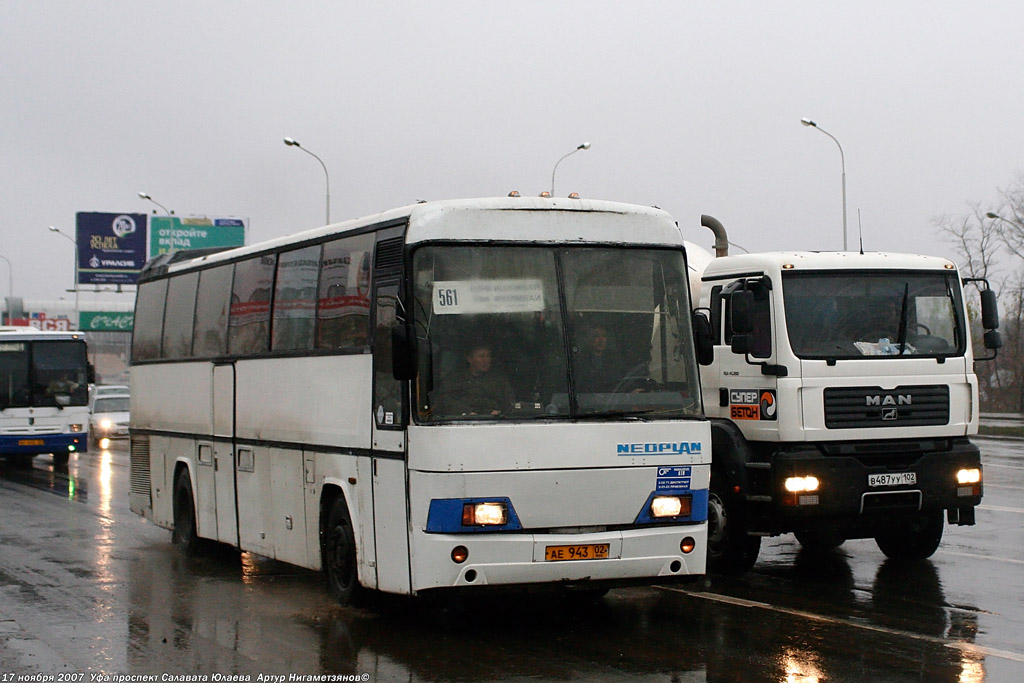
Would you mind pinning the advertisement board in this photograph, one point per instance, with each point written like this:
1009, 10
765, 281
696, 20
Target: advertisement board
171, 233
111, 247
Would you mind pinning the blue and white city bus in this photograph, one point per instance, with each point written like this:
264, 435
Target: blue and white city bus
44, 393
301, 399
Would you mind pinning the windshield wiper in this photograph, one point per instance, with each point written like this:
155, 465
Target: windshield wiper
902, 333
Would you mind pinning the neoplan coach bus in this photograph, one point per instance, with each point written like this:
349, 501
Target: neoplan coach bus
289, 399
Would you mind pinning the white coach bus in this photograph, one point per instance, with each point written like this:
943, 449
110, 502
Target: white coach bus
323, 399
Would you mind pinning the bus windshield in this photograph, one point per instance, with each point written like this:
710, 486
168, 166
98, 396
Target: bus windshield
43, 373
853, 315
515, 333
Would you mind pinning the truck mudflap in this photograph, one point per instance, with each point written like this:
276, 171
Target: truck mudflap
863, 494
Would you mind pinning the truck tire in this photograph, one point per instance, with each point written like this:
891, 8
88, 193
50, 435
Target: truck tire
340, 555
730, 549
915, 541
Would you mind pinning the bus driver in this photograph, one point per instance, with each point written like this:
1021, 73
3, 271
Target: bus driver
476, 388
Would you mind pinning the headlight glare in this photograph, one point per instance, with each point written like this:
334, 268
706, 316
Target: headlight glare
801, 484
667, 506
484, 514
968, 476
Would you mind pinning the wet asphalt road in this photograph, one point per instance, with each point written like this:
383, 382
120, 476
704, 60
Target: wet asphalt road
87, 587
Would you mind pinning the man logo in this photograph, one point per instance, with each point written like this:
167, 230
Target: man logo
889, 400
889, 414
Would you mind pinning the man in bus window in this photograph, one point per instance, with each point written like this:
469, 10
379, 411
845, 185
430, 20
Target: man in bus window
476, 388
597, 369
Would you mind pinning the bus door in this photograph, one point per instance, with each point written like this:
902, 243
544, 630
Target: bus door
224, 461
390, 523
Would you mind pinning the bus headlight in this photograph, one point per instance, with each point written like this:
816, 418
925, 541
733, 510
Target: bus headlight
670, 506
76, 428
801, 484
484, 514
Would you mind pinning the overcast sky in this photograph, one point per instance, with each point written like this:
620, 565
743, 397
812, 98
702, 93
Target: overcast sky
691, 106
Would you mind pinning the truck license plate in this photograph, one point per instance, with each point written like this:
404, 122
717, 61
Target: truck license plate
561, 553
892, 479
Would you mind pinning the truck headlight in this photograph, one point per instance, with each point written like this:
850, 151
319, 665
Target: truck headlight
801, 484
968, 476
105, 423
484, 514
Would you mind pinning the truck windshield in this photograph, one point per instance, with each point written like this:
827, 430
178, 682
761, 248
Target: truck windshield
519, 333
852, 315
43, 373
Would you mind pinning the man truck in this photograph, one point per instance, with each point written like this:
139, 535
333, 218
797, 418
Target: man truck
842, 395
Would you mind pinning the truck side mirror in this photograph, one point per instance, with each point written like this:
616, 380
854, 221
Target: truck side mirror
403, 352
741, 305
993, 340
703, 338
740, 344
989, 311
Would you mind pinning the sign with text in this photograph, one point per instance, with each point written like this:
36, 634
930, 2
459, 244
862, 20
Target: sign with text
106, 321
111, 247
170, 233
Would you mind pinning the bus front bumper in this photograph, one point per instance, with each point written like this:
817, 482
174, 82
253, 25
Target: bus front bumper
42, 443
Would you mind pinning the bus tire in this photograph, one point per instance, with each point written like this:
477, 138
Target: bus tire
340, 560
730, 549
185, 534
916, 541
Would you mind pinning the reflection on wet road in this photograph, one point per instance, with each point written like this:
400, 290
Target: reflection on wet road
85, 585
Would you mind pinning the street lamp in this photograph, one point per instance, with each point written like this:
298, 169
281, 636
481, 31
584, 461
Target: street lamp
78, 313
1005, 220
295, 143
143, 195
10, 280
842, 158
585, 145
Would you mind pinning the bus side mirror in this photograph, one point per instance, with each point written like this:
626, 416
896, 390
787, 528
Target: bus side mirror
403, 352
989, 312
702, 338
741, 304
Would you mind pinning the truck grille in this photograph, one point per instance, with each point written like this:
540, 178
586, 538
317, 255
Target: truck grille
907, 406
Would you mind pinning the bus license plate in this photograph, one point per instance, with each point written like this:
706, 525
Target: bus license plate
30, 442
892, 479
559, 553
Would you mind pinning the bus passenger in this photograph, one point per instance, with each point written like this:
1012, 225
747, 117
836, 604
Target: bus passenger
476, 388
597, 370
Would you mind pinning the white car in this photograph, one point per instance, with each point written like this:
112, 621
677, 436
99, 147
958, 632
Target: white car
109, 417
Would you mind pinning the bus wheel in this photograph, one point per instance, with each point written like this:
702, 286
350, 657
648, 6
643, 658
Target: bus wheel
340, 555
915, 541
730, 549
185, 534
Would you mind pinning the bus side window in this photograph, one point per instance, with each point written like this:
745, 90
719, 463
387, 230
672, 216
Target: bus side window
147, 332
387, 395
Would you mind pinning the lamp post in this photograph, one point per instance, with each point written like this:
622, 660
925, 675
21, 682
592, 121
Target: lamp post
842, 158
1005, 220
10, 279
143, 195
78, 313
291, 142
585, 145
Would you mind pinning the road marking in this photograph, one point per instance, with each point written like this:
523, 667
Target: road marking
1005, 467
976, 556
952, 644
1000, 508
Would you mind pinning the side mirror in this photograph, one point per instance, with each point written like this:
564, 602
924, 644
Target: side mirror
403, 352
740, 344
703, 338
989, 311
993, 340
741, 304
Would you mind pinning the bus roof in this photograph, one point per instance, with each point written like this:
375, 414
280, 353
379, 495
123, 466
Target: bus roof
26, 333
459, 219
803, 261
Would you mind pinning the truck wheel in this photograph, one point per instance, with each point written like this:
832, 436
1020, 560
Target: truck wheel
915, 541
185, 534
340, 555
730, 549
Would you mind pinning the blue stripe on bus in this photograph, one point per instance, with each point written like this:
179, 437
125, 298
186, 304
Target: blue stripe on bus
445, 516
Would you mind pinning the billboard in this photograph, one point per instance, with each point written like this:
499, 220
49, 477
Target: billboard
171, 233
111, 247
